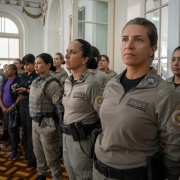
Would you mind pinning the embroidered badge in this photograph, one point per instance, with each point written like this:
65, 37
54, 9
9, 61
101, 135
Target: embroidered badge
150, 80
48, 136
63, 79
176, 117
79, 95
98, 100
55, 97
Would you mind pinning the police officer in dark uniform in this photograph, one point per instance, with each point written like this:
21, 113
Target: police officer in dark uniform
23, 90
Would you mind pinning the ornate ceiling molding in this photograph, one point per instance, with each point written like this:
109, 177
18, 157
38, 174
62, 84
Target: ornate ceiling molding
41, 4
23, 3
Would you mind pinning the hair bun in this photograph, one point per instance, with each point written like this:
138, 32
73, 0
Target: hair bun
53, 68
92, 63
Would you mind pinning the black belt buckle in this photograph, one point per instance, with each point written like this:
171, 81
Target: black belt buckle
102, 168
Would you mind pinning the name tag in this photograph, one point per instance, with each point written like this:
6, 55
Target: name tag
79, 95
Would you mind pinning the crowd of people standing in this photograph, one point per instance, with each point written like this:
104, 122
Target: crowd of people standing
104, 124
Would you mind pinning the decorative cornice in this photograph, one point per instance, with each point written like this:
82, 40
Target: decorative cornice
23, 3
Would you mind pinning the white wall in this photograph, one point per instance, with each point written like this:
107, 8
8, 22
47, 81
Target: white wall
120, 21
50, 30
66, 11
133, 10
35, 31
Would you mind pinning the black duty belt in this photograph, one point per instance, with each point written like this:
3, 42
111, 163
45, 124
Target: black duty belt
88, 128
24, 97
40, 116
35, 119
130, 174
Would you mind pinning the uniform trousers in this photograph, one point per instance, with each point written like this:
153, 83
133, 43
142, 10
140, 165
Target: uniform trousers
14, 134
47, 151
26, 122
75, 157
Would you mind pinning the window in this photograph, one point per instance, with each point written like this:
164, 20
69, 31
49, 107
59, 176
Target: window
95, 24
157, 12
9, 41
7, 26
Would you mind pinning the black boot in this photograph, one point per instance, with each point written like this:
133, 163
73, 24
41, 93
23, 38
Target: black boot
4, 136
41, 177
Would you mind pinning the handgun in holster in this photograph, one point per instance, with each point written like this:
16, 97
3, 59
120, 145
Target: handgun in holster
80, 130
155, 167
61, 116
94, 136
55, 117
74, 132
40, 117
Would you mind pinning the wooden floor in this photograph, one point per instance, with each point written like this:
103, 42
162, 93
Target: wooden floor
15, 170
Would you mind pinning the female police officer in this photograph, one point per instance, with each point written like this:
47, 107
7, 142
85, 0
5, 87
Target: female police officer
138, 110
23, 91
60, 73
175, 67
44, 98
81, 100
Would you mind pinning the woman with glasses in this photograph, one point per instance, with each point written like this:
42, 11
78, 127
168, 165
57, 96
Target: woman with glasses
103, 66
8, 100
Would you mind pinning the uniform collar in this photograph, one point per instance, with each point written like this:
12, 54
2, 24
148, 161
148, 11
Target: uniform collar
59, 71
94, 71
170, 80
32, 74
44, 77
108, 71
150, 80
82, 77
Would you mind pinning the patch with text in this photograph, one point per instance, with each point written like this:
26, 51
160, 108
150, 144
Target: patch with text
137, 104
79, 95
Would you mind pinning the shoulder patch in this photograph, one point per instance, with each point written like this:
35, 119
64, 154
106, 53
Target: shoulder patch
98, 100
63, 79
55, 98
176, 117
150, 80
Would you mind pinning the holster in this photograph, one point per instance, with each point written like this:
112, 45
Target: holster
74, 132
155, 167
94, 136
39, 117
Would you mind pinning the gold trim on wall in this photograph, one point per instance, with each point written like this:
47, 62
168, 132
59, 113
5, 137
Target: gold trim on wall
31, 15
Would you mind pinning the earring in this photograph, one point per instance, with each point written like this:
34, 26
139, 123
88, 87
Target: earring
151, 55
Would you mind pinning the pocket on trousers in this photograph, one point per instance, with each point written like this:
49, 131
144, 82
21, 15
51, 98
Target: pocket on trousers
48, 127
52, 146
83, 147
